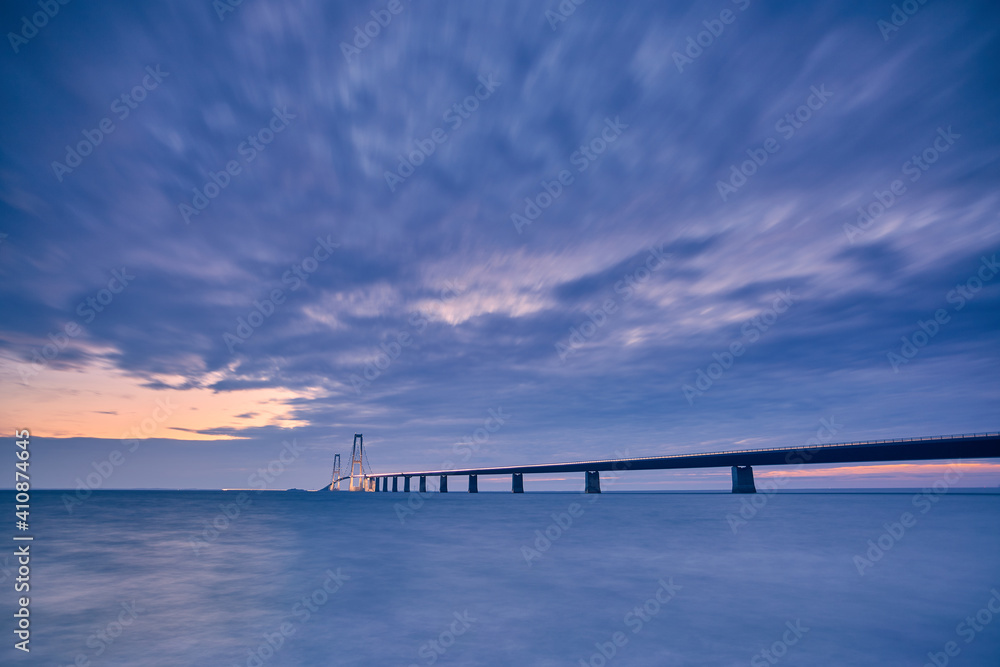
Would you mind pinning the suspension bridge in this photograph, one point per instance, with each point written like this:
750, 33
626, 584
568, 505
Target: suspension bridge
944, 447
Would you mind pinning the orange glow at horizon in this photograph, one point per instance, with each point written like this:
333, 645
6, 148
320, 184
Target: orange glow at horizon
102, 402
934, 467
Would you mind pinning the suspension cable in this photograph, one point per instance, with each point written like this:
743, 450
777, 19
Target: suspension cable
364, 456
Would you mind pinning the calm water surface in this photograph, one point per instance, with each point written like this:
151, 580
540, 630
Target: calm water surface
142, 578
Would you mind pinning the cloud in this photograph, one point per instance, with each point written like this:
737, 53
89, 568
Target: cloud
439, 261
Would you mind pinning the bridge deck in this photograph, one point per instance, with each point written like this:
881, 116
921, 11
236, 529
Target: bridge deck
969, 446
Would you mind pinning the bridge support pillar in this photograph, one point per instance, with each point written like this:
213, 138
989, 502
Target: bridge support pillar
593, 484
443, 488
385, 484
423, 484
406, 485
395, 484
743, 480
473, 483
517, 482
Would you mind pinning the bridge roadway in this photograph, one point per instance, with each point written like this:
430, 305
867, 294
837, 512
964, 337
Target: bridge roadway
967, 446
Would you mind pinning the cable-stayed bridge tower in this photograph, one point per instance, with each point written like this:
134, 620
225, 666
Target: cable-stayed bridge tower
357, 454
335, 479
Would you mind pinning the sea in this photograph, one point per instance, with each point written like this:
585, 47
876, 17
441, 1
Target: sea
254, 578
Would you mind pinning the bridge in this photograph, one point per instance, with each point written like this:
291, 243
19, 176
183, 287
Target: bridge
949, 447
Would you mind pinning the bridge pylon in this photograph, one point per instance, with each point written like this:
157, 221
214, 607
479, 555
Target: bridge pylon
358, 480
335, 480
743, 480
517, 482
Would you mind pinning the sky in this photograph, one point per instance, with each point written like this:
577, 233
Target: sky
234, 235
